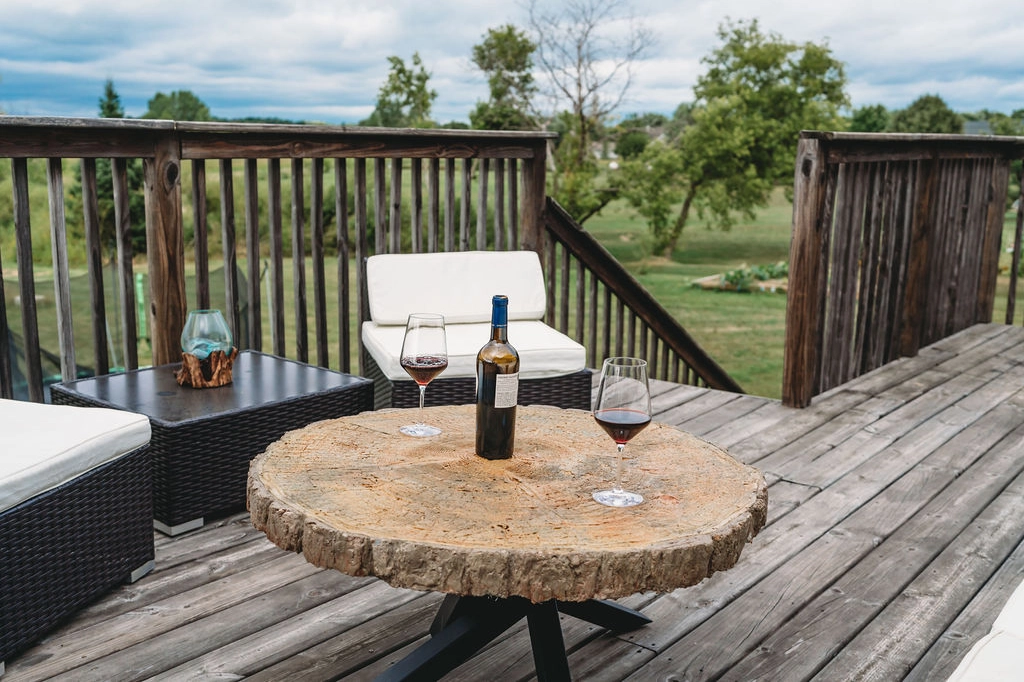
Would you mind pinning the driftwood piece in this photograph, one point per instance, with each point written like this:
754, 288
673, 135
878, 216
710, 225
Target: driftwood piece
356, 495
210, 372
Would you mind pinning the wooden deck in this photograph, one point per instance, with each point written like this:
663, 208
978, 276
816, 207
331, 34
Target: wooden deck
896, 513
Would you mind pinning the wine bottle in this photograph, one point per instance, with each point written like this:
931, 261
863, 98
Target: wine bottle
497, 388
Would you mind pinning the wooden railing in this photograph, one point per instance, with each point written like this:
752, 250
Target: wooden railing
592, 298
385, 190
896, 243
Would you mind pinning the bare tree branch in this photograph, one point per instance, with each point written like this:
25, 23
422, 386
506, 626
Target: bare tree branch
587, 49
582, 56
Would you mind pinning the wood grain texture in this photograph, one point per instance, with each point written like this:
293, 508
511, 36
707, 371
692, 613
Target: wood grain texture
210, 372
165, 250
895, 246
902, 560
61, 276
355, 495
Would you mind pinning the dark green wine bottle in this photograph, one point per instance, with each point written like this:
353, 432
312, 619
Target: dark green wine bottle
497, 388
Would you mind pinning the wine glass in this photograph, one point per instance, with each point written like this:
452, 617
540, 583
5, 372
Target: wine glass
623, 409
424, 356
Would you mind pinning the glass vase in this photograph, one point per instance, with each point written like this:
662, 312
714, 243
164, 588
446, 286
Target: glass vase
205, 331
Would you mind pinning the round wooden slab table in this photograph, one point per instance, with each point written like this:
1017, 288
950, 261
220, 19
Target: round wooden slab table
505, 539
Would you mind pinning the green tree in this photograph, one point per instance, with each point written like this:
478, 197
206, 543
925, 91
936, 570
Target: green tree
644, 121
110, 107
110, 103
759, 91
180, 105
506, 57
631, 143
870, 119
635, 131
681, 118
575, 183
927, 114
1000, 123
404, 101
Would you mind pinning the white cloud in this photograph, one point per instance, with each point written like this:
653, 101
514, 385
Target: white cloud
308, 59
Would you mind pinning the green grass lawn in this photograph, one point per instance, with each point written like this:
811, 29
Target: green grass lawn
743, 332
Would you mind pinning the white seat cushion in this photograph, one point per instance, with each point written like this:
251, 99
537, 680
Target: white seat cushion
44, 446
543, 351
1011, 617
996, 656
458, 285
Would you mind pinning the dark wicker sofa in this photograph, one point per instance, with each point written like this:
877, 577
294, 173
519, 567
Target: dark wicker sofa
76, 518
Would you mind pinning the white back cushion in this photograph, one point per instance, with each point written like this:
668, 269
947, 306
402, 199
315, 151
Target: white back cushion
459, 285
543, 351
43, 446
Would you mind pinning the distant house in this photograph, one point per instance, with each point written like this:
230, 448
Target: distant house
977, 128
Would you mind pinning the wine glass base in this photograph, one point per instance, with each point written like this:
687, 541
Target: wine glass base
420, 430
617, 498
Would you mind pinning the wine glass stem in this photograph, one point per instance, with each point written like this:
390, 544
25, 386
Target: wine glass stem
423, 391
620, 468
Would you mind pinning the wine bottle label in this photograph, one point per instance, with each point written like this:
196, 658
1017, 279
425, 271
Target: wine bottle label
506, 390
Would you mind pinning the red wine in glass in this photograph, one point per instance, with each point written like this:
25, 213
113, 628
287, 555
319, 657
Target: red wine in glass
621, 423
424, 356
423, 368
622, 407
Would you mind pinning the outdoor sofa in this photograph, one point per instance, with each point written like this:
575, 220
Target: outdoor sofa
460, 285
76, 513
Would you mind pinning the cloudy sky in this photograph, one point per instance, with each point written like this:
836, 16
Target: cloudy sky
324, 60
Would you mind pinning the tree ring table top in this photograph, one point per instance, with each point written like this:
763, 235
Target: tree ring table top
356, 495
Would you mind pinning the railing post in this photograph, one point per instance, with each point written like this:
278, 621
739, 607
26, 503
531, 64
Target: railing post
165, 248
806, 262
915, 306
998, 186
1018, 237
534, 199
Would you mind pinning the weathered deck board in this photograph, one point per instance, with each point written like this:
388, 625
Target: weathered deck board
945, 653
896, 520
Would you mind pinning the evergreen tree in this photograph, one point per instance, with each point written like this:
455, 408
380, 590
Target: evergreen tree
110, 107
110, 103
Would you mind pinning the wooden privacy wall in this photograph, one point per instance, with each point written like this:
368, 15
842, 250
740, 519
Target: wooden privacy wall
896, 242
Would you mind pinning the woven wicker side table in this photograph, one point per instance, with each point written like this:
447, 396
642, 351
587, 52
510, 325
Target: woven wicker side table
203, 439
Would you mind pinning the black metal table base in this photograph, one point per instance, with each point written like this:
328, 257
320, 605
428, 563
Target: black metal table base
464, 625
